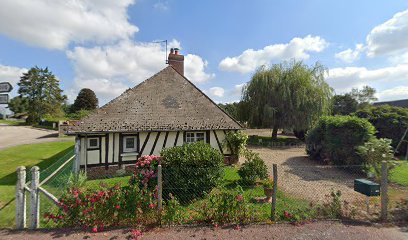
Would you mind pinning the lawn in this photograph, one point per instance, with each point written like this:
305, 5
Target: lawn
42, 155
399, 174
12, 122
281, 141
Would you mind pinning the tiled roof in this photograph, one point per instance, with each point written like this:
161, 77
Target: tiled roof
166, 101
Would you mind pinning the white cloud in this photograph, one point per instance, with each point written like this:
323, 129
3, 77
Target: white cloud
216, 91
350, 55
194, 69
343, 79
390, 37
55, 24
396, 93
237, 91
249, 60
11, 74
126, 62
162, 6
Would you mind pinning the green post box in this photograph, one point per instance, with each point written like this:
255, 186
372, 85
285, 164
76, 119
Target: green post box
367, 187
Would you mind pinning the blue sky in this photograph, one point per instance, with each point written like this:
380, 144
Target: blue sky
108, 45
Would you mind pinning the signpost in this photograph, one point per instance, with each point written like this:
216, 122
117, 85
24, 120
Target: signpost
5, 88
4, 98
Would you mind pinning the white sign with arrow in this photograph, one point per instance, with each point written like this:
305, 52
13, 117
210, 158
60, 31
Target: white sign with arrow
5, 87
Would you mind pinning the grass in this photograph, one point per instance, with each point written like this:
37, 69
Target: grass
42, 155
399, 174
281, 141
13, 122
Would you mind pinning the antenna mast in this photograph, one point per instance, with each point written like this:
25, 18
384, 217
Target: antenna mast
165, 57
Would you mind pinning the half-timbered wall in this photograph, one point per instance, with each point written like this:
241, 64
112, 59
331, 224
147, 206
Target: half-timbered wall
110, 150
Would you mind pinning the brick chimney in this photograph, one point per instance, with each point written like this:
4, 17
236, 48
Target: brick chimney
176, 60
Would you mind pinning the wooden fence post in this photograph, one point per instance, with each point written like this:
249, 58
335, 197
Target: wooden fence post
77, 160
21, 198
275, 190
35, 198
384, 191
159, 188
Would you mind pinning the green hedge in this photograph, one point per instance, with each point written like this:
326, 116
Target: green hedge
334, 139
390, 122
191, 170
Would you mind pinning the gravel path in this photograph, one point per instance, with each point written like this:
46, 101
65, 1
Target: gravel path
17, 135
302, 177
317, 231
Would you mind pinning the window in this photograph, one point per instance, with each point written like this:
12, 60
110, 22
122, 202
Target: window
195, 137
93, 143
130, 144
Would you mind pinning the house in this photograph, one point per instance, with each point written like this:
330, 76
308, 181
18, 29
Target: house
165, 110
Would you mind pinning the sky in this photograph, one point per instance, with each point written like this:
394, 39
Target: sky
109, 46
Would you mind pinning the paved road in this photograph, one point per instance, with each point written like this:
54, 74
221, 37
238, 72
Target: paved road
317, 231
17, 135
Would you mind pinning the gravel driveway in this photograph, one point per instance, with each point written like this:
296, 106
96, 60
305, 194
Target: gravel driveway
317, 231
302, 177
17, 135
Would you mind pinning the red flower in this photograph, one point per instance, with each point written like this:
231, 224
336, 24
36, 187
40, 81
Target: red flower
94, 229
117, 207
239, 198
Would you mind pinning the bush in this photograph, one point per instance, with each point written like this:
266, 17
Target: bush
191, 170
390, 122
105, 207
374, 152
334, 139
145, 172
172, 212
225, 206
237, 141
253, 169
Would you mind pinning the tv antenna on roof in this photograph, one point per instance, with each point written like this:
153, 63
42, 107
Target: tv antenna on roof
163, 41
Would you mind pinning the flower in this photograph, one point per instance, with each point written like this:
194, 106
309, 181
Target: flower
117, 207
239, 198
94, 229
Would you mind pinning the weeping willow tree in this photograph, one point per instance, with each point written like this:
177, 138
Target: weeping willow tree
287, 95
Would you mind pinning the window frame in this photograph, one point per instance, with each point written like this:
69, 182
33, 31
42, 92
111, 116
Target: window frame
97, 141
194, 137
130, 150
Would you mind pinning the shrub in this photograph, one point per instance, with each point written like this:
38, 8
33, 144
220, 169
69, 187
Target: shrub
77, 180
335, 208
191, 170
145, 172
390, 122
253, 169
237, 141
374, 152
105, 207
225, 206
172, 212
334, 139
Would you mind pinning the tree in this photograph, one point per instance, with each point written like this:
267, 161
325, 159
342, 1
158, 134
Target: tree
237, 110
287, 95
364, 96
344, 104
18, 104
86, 100
42, 90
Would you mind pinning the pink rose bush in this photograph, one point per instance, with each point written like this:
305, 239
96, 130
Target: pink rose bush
96, 209
145, 172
